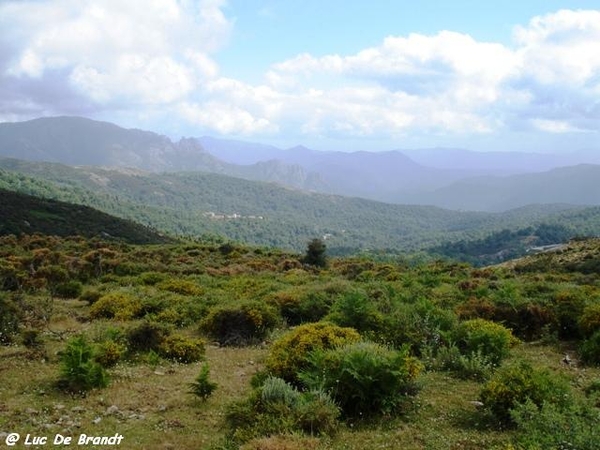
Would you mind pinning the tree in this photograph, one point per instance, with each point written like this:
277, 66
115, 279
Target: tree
315, 253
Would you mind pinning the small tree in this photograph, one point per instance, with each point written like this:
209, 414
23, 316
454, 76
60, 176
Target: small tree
315, 253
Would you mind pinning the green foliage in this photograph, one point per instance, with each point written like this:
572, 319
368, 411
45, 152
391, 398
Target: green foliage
315, 253
181, 349
589, 321
589, 350
117, 305
31, 338
488, 339
300, 306
90, 295
519, 383
68, 289
109, 353
277, 407
147, 336
240, 324
290, 353
556, 428
180, 286
422, 325
10, 318
473, 366
356, 310
203, 387
79, 371
364, 378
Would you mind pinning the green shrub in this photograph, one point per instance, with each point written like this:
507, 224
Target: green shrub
552, 427
31, 338
289, 354
147, 336
473, 366
79, 371
364, 378
589, 350
298, 306
277, 407
356, 310
68, 289
203, 387
422, 325
179, 286
181, 349
152, 278
486, 338
116, 305
109, 353
514, 385
589, 321
10, 319
91, 296
240, 324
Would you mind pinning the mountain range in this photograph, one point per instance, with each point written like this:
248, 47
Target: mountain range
449, 178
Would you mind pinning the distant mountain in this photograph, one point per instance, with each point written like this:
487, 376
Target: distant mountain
576, 185
25, 214
499, 163
384, 176
448, 178
80, 141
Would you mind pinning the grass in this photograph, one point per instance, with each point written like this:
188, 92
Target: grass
152, 409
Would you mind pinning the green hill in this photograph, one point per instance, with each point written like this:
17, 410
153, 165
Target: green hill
203, 204
25, 214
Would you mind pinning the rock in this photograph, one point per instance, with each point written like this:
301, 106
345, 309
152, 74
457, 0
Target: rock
111, 410
97, 420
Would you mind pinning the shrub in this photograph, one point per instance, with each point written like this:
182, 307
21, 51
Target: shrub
179, 286
109, 353
68, 289
356, 310
289, 354
91, 296
589, 321
551, 427
152, 278
239, 324
589, 350
491, 340
364, 378
116, 305
421, 325
146, 336
203, 387
10, 319
277, 407
514, 385
297, 307
31, 338
473, 366
79, 371
181, 349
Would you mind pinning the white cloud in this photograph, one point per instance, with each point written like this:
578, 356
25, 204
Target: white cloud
115, 51
158, 57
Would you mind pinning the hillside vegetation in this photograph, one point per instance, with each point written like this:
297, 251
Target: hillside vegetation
222, 346
25, 214
203, 204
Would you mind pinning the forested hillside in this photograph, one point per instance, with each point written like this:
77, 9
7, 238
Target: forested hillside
202, 204
25, 214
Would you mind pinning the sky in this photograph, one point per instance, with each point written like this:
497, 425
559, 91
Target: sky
328, 74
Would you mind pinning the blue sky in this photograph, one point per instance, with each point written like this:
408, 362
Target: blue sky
329, 74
